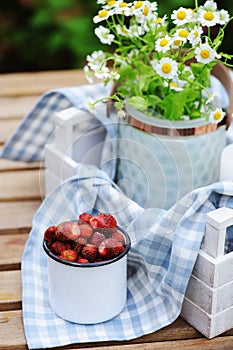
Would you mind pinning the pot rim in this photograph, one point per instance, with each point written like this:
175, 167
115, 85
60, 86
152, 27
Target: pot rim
95, 264
164, 127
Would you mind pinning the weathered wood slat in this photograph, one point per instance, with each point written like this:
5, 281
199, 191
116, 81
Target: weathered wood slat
11, 323
16, 107
10, 291
7, 127
36, 83
21, 185
11, 249
16, 217
6, 165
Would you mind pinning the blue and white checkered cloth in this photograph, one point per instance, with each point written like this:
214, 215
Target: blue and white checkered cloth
164, 250
165, 244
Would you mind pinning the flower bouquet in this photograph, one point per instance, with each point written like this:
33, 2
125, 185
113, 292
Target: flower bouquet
161, 64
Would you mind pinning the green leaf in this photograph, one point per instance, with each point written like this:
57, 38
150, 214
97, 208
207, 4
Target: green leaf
153, 100
138, 102
173, 105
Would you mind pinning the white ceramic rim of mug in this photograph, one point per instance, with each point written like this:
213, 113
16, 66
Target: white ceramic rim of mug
94, 264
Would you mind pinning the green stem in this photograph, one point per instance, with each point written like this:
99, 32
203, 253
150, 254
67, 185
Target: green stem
196, 4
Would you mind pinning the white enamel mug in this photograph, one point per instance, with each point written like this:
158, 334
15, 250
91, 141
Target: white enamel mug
88, 293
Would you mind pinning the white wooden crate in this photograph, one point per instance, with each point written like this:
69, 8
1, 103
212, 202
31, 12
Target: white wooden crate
208, 303
78, 137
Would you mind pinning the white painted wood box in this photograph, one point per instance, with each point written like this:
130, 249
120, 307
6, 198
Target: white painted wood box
71, 144
208, 304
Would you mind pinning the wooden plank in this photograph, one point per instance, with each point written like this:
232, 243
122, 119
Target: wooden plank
13, 338
11, 249
36, 83
16, 217
16, 107
11, 290
21, 185
12, 331
6, 165
7, 127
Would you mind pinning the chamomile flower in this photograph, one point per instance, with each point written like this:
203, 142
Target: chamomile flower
194, 36
102, 15
136, 30
122, 30
216, 116
210, 5
208, 17
182, 16
104, 35
173, 85
223, 17
163, 44
144, 10
122, 8
101, 72
110, 4
205, 54
88, 74
181, 34
167, 68
96, 59
114, 76
176, 43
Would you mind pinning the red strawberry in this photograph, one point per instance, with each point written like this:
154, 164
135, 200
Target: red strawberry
49, 234
89, 252
86, 230
67, 231
110, 248
97, 238
119, 237
79, 244
58, 247
82, 261
69, 254
103, 220
84, 218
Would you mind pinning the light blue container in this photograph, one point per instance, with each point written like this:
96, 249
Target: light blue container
157, 170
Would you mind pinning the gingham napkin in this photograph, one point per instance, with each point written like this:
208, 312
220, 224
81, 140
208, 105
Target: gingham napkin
28, 141
164, 250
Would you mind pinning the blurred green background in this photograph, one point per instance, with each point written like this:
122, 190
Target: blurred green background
58, 34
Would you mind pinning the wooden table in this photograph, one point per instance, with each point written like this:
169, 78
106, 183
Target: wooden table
20, 195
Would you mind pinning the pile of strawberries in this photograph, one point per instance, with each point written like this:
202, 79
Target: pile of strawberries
90, 239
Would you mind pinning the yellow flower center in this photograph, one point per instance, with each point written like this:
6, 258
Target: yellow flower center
166, 68
163, 42
181, 15
138, 4
217, 116
123, 4
158, 20
111, 3
177, 42
183, 33
103, 13
205, 53
146, 10
172, 84
195, 33
209, 16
